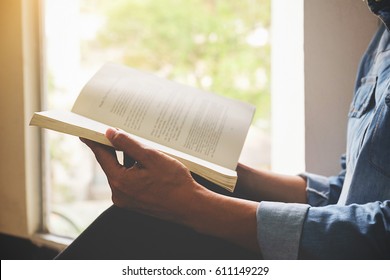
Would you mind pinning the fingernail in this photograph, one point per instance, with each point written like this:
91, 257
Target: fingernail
110, 133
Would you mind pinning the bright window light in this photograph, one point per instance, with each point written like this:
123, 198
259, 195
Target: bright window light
220, 46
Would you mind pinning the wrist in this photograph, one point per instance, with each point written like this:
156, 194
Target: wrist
224, 217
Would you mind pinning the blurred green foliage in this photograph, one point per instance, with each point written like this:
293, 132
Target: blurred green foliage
218, 45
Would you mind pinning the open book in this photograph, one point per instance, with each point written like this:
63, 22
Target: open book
205, 131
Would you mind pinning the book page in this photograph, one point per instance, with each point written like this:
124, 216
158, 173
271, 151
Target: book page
192, 121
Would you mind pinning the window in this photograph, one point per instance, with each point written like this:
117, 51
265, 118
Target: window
220, 46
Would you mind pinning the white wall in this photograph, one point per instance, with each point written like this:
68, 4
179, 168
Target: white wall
287, 85
336, 33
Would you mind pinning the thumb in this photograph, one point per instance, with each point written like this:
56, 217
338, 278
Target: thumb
123, 142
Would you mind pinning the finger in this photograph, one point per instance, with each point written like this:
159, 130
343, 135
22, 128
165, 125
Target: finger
132, 148
105, 156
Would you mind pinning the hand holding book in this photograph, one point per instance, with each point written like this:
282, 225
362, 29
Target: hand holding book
204, 131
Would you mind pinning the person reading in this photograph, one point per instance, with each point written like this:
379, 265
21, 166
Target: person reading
162, 211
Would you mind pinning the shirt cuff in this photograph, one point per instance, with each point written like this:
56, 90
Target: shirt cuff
279, 228
317, 189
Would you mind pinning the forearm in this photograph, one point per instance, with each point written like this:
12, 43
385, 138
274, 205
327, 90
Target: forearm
162, 187
261, 185
225, 217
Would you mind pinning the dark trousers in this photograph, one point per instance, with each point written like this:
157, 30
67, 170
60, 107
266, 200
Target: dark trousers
122, 234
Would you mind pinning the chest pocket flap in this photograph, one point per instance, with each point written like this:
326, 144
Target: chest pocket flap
363, 99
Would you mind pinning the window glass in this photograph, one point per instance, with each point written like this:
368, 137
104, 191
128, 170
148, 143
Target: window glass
217, 45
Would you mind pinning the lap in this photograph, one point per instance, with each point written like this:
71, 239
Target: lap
122, 234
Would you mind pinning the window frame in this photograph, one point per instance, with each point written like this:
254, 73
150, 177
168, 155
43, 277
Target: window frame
20, 211
22, 194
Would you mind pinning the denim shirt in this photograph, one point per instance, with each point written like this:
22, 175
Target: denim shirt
348, 215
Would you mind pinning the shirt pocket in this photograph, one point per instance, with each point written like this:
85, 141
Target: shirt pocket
380, 141
362, 101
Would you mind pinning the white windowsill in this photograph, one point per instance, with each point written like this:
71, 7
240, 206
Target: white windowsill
51, 241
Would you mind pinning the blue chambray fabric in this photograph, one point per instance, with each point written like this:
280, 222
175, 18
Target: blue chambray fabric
348, 215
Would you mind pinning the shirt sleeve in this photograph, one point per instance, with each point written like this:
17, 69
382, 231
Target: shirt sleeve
292, 231
323, 190
347, 232
279, 227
